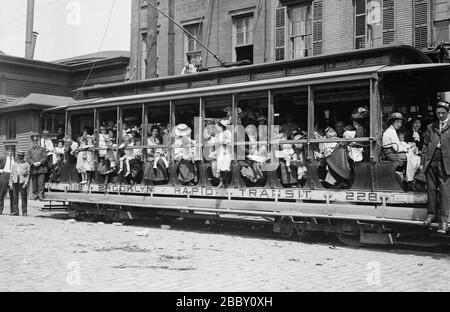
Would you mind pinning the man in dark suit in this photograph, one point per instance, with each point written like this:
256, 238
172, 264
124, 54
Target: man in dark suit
6, 165
37, 158
436, 165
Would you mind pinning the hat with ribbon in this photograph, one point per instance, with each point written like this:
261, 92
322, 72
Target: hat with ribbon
182, 130
395, 116
21, 153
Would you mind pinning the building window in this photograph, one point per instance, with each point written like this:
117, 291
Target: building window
11, 128
442, 31
388, 21
420, 23
243, 38
280, 33
300, 20
144, 55
192, 49
360, 24
317, 27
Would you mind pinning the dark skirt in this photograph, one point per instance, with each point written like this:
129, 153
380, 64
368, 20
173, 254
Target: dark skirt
135, 168
158, 174
68, 173
286, 177
186, 171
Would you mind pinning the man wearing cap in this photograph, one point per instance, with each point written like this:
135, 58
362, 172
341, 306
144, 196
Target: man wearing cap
18, 182
37, 158
6, 165
435, 163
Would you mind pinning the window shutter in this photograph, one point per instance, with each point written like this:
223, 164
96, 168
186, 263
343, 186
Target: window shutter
388, 21
317, 27
420, 23
280, 33
360, 24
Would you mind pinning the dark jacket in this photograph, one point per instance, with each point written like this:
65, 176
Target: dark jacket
410, 139
2, 163
430, 141
37, 154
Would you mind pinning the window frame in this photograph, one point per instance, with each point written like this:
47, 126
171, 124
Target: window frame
189, 55
291, 29
251, 26
11, 128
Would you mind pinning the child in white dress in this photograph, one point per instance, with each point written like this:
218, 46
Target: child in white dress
128, 154
81, 159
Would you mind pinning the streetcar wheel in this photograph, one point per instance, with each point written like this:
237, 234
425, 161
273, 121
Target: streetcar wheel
86, 217
287, 227
349, 240
301, 231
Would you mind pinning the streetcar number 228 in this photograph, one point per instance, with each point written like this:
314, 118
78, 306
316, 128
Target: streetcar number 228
361, 196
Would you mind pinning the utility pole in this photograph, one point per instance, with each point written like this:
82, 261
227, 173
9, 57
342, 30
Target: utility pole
30, 36
171, 45
152, 41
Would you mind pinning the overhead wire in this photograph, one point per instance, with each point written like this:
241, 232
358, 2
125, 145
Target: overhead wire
6, 30
100, 47
24, 15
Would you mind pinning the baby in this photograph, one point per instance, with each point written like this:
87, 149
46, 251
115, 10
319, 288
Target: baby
128, 154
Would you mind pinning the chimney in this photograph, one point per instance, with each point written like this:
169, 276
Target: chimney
30, 36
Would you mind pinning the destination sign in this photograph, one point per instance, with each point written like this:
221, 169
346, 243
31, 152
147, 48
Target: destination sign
246, 193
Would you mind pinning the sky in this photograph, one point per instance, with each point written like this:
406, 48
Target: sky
66, 28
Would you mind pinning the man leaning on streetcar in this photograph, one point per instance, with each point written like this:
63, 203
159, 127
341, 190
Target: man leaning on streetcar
435, 163
37, 158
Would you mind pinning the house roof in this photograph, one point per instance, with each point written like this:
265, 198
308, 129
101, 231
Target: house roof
92, 57
35, 100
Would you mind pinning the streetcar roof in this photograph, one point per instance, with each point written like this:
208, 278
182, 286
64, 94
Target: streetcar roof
438, 73
259, 85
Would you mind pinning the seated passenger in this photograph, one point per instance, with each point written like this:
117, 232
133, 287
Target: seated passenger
155, 171
392, 148
186, 171
360, 119
288, 158
339, 126
412, 160
127, 155
414, 133
108, 164
355, 153
102, 137
289, 126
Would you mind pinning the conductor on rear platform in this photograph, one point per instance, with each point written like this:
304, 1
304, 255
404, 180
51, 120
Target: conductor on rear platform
435, 163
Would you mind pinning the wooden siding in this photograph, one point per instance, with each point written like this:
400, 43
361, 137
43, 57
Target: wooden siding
24, 122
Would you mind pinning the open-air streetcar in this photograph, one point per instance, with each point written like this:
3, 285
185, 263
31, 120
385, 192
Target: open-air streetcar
373, 206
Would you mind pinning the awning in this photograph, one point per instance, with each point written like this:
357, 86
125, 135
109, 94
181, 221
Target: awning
259, 85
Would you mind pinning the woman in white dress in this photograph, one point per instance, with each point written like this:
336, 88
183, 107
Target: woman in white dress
225, 150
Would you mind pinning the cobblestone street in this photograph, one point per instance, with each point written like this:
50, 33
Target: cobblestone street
47, 252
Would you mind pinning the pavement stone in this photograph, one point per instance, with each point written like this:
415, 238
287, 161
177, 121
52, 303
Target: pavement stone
45, 253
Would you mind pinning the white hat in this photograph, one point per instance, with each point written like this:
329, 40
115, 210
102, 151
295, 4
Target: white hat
182, 130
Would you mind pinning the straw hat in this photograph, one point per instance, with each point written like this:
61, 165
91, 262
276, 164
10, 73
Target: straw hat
395, 116
360, 113
182, 130
21, 153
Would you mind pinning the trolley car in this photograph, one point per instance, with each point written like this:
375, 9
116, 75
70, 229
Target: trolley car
374, 208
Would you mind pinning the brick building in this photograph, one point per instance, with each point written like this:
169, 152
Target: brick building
267, 31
